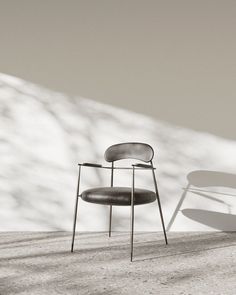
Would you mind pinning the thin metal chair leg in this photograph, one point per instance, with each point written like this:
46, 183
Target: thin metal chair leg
76, 209
162, 219
110, 218
74, 225
132, 219
159, 204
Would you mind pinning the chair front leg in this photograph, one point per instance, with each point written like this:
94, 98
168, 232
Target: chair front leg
74, 225
110, 215
76, 209
132, 218
159, 204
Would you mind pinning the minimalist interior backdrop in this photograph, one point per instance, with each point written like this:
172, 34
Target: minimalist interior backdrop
157, 71
44, 134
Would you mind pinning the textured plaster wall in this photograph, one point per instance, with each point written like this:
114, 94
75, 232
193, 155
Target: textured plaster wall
156, 71
44, 134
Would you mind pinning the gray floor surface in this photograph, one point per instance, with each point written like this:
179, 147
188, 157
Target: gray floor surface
192, 263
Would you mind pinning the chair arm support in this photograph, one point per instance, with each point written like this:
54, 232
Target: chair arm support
95, 165
91, 165
143, 166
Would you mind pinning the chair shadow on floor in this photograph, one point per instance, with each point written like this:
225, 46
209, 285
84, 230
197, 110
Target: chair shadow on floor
187, 244
199, 183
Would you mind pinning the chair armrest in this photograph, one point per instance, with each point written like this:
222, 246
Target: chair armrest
95, 165
143, 166
91, 165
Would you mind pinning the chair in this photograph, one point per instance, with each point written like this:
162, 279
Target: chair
122, 196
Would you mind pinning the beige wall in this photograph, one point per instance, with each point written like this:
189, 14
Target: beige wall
173, 60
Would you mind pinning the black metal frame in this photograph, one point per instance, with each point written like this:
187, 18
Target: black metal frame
110, 215
76, 208
112, 168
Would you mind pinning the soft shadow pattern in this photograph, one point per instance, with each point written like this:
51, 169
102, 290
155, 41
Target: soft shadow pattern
216, 220
47, 267
205, 179
44, 134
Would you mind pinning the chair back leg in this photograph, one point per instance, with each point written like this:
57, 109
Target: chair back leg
110, 218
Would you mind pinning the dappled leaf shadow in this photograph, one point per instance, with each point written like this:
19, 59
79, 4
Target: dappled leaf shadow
45, 134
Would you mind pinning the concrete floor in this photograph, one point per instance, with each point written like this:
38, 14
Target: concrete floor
192, 263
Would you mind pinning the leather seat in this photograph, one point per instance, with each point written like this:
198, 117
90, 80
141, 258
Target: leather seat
119, 196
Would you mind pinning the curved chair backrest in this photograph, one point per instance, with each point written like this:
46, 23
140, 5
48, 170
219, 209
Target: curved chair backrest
130, 150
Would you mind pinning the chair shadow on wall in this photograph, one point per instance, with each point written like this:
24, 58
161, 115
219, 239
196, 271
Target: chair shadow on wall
199, 183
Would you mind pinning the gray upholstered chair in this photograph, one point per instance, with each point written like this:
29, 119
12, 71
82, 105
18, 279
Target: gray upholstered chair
122, 196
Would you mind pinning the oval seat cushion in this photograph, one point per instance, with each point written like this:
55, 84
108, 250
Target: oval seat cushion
119, 196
